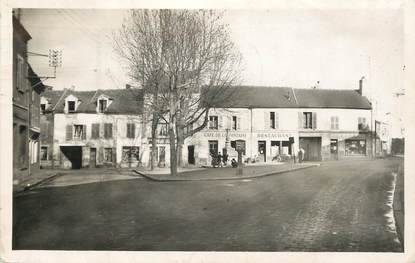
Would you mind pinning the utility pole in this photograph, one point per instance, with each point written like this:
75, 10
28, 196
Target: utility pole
55, 60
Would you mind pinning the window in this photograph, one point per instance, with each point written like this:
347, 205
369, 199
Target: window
213, 122
307, 120
95, 131
130, 130
108, 130
355, 147
213, 147
233, 145
102, 105
362, 123
20, 74
108, 155
71, 106
163, 129
234, 123
79, 132
42, 108
334, 123
130, 153
44, 153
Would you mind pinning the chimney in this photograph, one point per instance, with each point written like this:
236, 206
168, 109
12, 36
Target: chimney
360, 91
127, 86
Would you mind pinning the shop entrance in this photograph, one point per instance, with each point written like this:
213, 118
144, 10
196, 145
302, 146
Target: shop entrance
93, 157
334, 149
262, 151
191, 154
312, 148
74, 155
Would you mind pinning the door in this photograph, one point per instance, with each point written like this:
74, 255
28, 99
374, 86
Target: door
162, 156
191, 154
262, 151
93, 158
312, 148
334, 149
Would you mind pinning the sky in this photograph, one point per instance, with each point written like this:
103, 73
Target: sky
280, 47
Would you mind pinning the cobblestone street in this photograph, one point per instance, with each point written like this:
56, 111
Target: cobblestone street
339, 206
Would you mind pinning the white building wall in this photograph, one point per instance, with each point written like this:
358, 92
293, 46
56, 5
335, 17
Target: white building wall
118, 141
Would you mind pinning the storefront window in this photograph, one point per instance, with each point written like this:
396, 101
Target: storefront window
355, 147
213, 147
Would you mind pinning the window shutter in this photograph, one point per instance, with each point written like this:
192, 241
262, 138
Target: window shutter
229, 122
238, 123
69, 132
314, 120
100, 154
277, 120
220, 120
132, 130
128, 130
114, 155
110, 130
84, 132
300, 120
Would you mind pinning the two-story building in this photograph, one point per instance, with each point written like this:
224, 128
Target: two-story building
92, 128
278, 121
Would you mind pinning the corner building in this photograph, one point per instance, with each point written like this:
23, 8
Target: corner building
275, 122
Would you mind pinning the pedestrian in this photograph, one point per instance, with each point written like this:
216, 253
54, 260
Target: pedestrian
214, 160
234, 163
301, 155
225, 159
220, 160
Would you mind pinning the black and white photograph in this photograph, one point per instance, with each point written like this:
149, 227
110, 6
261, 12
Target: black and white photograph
206, 129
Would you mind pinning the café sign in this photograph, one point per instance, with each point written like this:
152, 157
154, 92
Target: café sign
223, 134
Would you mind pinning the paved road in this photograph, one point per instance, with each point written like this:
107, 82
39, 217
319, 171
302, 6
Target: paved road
339, 206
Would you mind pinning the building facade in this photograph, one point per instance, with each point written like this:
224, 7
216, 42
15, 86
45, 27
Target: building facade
92, 128
110, 128
27, 88
276, 122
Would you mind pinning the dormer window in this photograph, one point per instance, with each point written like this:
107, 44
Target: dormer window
103, 102
71, 106
102, 105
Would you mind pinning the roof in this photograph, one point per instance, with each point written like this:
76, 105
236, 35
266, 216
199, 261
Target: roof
286, 97
124, 101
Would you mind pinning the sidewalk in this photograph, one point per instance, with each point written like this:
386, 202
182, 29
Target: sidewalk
399, 204
227, 173
22, 181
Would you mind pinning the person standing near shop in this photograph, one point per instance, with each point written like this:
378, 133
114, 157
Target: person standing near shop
220, 160
301, 155
225, 159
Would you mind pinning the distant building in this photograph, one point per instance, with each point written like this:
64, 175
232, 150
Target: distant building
27, 88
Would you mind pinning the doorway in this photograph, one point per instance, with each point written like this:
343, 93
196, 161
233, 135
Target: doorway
191, 154
74, 155
262, 151
93, 158
162, 156
334, 149
312, 148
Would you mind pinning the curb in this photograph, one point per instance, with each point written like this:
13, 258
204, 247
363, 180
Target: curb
152, 178
44, 180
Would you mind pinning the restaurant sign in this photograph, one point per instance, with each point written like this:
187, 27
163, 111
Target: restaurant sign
275, 135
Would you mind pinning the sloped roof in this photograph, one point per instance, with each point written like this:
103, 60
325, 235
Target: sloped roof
124, 101
285, 97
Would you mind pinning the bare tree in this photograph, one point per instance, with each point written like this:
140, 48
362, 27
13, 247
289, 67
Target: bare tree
187, 61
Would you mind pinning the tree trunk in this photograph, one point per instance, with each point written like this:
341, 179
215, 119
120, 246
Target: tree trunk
173, 153
180, 139
153, 158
